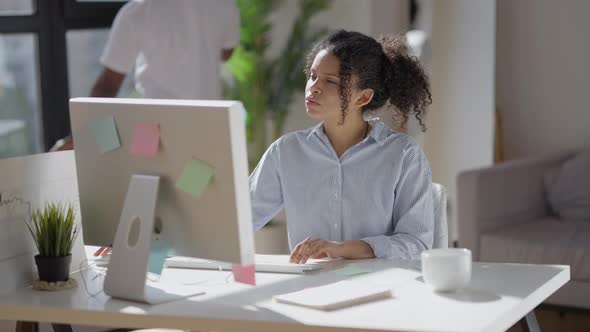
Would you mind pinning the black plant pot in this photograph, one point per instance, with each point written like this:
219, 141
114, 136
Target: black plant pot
53, 268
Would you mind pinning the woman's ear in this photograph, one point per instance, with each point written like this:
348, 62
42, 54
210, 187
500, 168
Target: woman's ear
364, 97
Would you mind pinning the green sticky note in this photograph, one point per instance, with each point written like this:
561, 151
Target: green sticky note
195, 177
351, 270
106, 135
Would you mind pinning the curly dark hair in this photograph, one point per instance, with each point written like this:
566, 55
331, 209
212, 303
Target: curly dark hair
384, 66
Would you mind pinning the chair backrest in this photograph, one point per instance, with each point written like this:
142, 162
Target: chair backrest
441, 232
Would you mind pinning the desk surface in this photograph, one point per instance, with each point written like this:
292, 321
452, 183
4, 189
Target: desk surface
499, 295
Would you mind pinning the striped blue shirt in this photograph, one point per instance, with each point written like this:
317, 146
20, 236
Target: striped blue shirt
378, 191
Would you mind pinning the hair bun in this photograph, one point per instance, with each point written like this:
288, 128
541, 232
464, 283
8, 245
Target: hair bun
409, 89
394, 45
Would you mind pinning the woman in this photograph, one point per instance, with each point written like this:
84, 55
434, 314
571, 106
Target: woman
352, 188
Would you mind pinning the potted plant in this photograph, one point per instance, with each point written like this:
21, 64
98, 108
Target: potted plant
265, 84
54, 232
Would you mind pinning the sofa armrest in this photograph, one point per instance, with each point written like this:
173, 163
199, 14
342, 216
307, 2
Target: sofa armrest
507, 193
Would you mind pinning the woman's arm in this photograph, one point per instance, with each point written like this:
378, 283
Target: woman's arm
266, 193
413, 212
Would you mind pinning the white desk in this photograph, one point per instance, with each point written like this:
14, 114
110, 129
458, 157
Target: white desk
499, 296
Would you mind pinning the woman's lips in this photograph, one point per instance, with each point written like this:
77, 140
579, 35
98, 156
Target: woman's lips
311, 102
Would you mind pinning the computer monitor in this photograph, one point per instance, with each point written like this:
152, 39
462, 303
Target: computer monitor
213, 223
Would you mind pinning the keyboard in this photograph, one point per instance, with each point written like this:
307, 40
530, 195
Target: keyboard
264, 263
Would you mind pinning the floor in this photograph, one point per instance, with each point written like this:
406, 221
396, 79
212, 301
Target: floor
558, 319
551, 319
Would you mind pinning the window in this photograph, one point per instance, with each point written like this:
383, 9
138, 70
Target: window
16, 7
19, 97
42, 64
84, 50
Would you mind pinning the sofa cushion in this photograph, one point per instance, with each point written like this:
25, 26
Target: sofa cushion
544, 241
568, 188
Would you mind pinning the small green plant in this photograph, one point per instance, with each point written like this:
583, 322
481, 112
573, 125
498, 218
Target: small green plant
53, 229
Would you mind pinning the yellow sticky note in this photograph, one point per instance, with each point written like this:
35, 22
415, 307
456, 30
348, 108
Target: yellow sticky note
195, 177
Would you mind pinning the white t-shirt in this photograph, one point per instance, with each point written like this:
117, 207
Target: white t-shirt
175, 45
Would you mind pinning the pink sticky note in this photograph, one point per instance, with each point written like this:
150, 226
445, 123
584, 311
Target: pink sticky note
146, 139
245, 274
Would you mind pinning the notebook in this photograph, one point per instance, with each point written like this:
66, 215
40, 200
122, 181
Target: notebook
335, 296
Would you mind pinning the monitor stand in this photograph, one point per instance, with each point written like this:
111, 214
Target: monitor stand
126, 277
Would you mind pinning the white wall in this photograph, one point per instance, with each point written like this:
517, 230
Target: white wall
543, 51
461, 119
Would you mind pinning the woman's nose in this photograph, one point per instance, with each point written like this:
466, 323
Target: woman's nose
315, 89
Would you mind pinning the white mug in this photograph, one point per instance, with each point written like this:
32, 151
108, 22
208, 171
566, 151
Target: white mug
446, 269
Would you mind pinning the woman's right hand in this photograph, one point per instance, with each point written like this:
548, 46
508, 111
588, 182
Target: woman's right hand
64, 144
103, 251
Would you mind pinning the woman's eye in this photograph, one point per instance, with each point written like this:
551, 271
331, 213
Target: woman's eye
332, 82
313, 76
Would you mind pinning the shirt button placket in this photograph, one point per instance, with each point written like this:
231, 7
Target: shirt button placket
334, 203
338, 202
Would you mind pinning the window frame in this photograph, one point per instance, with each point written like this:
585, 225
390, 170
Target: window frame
49, 23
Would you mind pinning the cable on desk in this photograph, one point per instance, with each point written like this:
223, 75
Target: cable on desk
87, 267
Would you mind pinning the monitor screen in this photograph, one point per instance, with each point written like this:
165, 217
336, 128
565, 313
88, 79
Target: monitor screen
196, 147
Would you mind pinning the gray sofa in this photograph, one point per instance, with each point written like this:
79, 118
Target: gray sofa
504, 216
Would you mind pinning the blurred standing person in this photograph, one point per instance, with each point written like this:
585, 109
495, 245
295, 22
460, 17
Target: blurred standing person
177, 48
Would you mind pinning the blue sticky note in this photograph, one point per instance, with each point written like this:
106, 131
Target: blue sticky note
106, 135
160, 250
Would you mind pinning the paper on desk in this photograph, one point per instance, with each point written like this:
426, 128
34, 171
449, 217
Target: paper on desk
195, 177
245, 274
160, 250
336, 295
146, 139
105, 134
351, 270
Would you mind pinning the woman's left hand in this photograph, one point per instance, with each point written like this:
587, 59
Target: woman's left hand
318, 248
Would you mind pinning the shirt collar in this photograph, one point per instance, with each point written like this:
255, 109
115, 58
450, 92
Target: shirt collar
317, 129
378, 131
